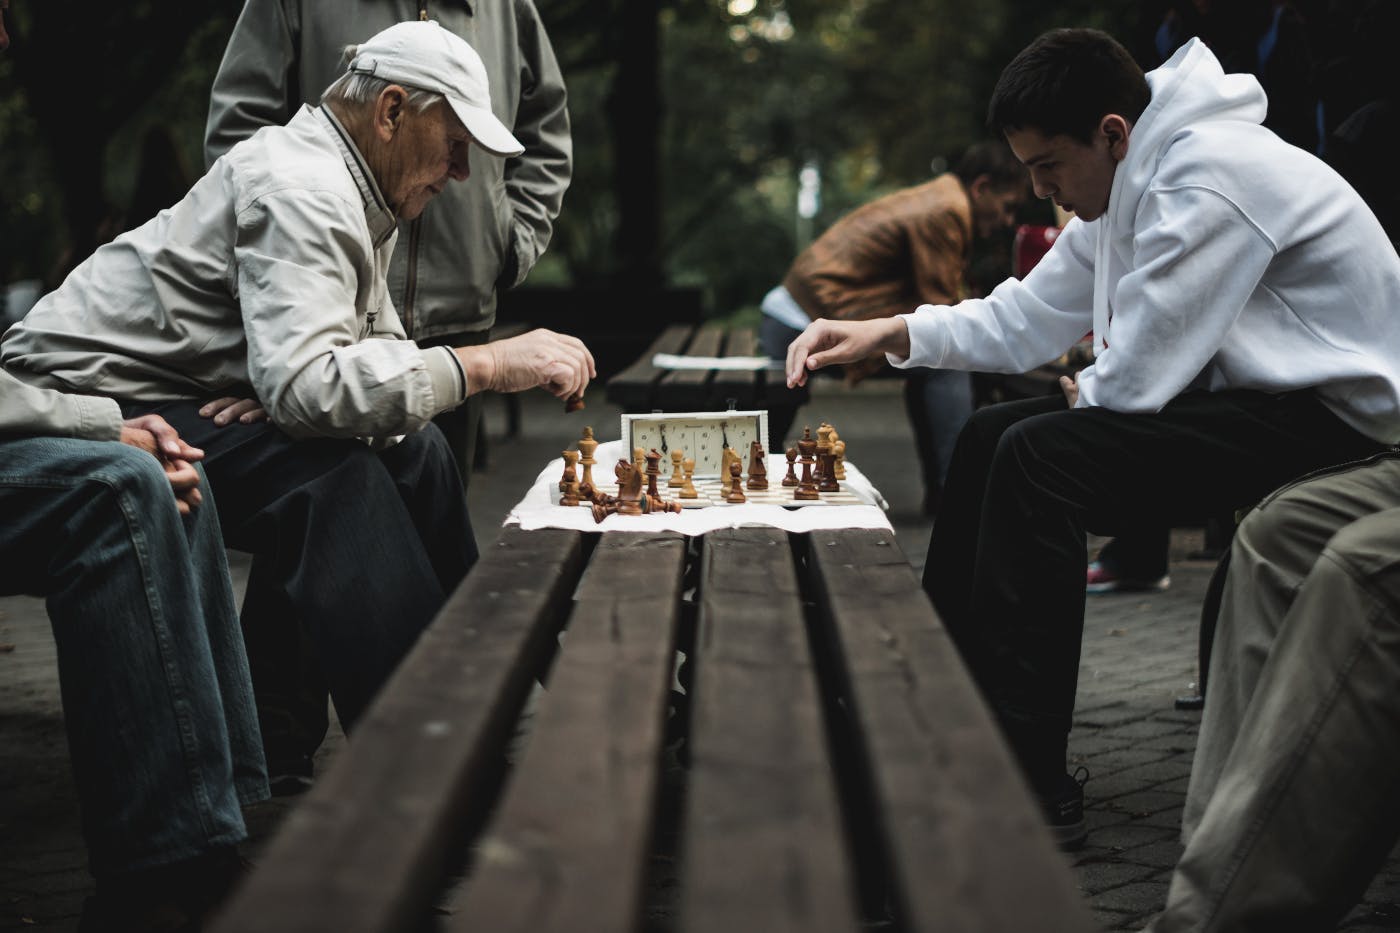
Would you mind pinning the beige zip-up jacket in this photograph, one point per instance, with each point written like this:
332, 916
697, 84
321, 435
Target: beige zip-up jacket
269, 276
477, 235
26, 409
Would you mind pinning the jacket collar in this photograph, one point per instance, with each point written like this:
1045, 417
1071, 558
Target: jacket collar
381, 220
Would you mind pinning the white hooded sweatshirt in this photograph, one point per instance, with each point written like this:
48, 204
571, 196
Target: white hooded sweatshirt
1227, 259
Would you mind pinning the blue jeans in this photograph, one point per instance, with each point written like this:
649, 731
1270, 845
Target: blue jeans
156, 694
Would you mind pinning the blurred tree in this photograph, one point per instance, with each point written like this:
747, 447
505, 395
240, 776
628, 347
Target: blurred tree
120, 58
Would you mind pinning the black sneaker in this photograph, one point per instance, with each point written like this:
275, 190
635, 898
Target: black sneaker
1064, 811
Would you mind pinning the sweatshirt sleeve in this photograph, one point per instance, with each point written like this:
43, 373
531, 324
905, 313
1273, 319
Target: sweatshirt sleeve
537, 178
1021, 324
26, 409
1196, 261
318, 369
251, 89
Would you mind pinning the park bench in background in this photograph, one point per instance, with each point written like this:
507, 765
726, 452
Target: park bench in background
838, 764
644, 386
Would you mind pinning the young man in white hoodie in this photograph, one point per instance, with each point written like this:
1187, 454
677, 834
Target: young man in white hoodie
1243, 300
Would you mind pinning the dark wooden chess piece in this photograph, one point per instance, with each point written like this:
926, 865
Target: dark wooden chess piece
736, 484
653, 472
826, 461
758, 466
807, 487
791, 478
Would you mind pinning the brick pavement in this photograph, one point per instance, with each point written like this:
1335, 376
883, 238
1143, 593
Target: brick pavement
1139, 653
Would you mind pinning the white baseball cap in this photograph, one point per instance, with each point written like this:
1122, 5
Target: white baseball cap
426, 56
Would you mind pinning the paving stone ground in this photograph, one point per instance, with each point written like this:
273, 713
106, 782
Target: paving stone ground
1139, 654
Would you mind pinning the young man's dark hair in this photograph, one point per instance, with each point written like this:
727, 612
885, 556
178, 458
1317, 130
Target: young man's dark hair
993, 158
1065, 82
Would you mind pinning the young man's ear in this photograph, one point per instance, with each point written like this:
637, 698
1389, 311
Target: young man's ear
1115, 130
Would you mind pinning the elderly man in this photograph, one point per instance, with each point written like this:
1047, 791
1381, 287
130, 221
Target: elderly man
267, 280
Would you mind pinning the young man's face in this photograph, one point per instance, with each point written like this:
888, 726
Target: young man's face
1078, 176
993, 209
429, 151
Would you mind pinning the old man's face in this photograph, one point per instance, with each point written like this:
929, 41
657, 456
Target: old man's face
427, 152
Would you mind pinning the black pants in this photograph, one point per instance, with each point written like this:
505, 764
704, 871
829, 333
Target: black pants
1006, 561
354, 551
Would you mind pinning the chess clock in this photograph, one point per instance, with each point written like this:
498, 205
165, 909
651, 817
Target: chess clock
700, 434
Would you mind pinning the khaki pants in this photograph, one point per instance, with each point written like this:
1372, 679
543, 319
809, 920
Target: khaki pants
1292, 805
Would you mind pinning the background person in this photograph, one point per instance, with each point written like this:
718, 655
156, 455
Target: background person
907, 248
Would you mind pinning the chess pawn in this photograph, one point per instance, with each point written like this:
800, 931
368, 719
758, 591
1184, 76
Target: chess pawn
791, 478
736, 484
571, 487
677, 474
839, 449
688, 490
586, 447
758, 466
570, 459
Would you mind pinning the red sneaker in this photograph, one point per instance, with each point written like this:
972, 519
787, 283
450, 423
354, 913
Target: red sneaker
1102, 580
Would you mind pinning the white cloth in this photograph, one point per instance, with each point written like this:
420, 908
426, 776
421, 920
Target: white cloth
537, 509
1226, 259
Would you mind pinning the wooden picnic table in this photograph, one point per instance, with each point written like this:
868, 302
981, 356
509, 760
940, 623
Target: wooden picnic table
838, 766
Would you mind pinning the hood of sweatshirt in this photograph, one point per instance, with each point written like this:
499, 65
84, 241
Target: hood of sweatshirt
1189, 89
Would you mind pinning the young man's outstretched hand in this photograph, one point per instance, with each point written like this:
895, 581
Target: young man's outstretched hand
825, 343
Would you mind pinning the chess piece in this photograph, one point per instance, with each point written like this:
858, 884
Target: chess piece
572, 404
807, 486
653, 472
730, 455
839, 449
826, 465
791, 478
586, 446
629, 488
677, 474
571, 487
736, 484
758, 466
639, 461
688, 491
570, 459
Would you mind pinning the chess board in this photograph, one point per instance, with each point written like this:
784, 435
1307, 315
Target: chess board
711, 494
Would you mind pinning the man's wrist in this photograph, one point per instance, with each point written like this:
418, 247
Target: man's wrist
479, 366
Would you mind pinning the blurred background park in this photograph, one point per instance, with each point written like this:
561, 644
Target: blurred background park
713, 138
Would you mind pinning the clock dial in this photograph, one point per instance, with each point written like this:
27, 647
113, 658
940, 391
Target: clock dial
701, 435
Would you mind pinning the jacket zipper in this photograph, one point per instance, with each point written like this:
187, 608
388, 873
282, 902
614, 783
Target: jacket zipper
410, 285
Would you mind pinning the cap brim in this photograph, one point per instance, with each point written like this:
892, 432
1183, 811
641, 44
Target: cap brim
488, 132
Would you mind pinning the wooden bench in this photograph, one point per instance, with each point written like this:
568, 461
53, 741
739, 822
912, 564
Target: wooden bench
644, 387
839, 766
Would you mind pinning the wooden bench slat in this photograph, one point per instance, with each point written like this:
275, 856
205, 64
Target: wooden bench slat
688, 389
568, 850
739, 386
968, 847
367, 848
764, 846
632, 389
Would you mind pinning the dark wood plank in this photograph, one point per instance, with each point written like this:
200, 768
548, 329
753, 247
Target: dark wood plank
568, 850
738, 386
968, 847
633, 389
689, 389
366, 849
763, 838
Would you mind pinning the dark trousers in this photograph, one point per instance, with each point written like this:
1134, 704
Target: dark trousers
354, 551
462, 425
1007, 557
